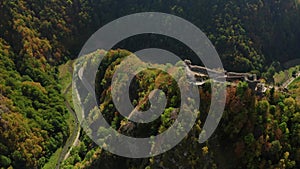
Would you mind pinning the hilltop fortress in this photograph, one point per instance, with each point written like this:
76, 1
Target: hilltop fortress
202, 74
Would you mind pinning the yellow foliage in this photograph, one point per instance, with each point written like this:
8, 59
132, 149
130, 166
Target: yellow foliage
205, 150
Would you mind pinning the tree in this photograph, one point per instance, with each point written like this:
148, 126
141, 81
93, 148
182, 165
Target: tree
4, 161
263, 107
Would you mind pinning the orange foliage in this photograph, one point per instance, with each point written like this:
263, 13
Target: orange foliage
239, 149
35, 84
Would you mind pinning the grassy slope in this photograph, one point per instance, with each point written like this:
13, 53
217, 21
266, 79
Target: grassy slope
282, 76
53, 159
65, 76
66, 79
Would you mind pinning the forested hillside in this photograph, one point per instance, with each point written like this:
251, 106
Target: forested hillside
247, 34
32, 111
255, 131
251, 36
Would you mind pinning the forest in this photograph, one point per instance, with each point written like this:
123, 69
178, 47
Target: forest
256, 36
255, 131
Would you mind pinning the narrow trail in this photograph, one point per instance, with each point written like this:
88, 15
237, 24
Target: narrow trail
73, 140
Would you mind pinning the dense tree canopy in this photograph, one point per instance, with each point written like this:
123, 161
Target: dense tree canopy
255, 131
250, 36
